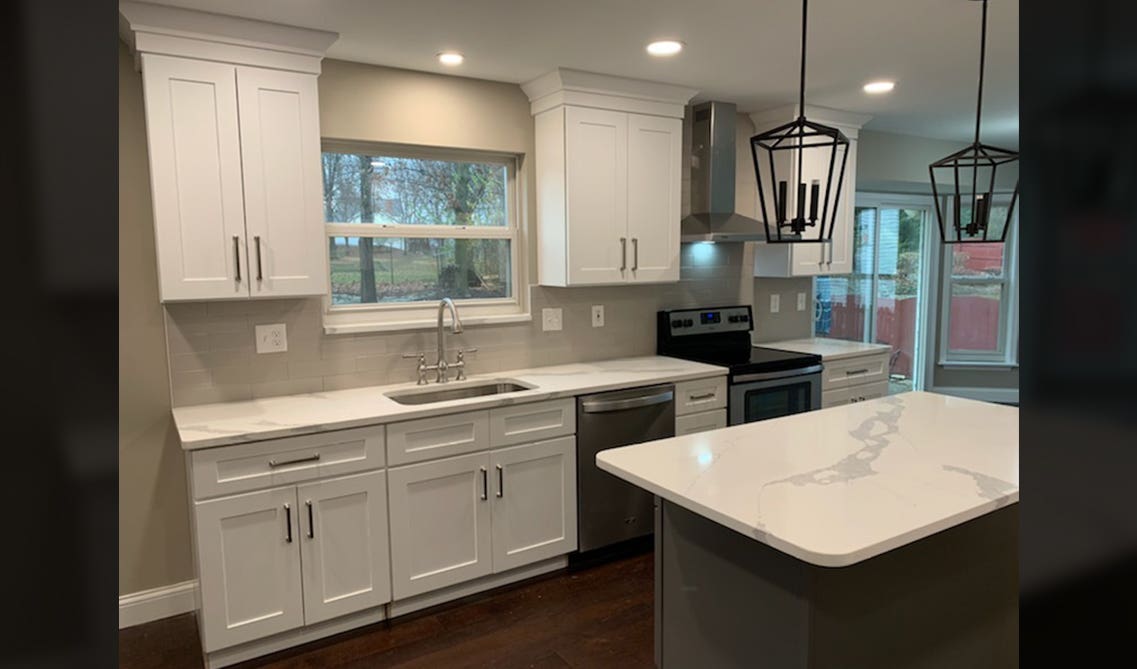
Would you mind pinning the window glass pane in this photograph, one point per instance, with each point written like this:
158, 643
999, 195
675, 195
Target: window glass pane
977, 260
898, 291
361, 188
974, 320
863, 234
366, 270
841, 306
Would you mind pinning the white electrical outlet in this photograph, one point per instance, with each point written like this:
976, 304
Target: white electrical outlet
775, 303
801, 301
271, 338
598, 315
551, 319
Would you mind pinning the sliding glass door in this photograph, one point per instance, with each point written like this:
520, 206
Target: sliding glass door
884, 300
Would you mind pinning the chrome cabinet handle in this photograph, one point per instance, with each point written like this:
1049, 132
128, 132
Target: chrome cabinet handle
260, 275
850, 372
500, 481
623, 254
635, 253
288, 523
307, 458
485, 484
237, 255
696, 398
311, 527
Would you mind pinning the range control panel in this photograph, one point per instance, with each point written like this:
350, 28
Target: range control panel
707, 321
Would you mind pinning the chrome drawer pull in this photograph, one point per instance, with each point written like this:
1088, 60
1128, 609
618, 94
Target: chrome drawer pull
308, 458
288, 522
850, 372
695, 398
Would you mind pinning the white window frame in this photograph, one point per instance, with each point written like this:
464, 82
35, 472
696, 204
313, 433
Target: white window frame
379, 317
1007, 356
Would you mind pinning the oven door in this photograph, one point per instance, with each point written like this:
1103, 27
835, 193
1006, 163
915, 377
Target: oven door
756, 397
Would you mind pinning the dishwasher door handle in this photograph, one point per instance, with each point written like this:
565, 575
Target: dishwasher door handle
603, 406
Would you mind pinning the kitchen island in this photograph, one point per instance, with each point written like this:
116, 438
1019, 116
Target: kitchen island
877, 534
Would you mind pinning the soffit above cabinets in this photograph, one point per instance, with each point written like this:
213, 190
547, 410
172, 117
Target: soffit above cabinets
173, 31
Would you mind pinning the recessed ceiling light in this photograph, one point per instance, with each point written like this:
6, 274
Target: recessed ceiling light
667, 47
450, 58
879, 86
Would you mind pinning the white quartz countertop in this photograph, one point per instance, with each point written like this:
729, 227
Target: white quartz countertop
828, 349
840, 485
220, 424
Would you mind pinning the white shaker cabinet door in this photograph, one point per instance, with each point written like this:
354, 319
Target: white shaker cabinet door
195, 174
655, 150
596, 178
440, 524
249, 562
839, 254
280, 150
343, 545
534, 502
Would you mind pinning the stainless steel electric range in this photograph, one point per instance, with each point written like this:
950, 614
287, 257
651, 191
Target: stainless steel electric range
763, 382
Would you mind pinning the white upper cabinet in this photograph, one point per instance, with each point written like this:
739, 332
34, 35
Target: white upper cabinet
280, 153
811, 259
609, 178
195, 177
234, 139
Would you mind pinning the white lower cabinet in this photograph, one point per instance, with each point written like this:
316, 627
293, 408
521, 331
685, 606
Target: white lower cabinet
343, 545
249, 565
700, 422
440, 523
456, 519
278, 559
534, 502
857, 393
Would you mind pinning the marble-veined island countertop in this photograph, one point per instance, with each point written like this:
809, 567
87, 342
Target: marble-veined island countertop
223, 423
838, 486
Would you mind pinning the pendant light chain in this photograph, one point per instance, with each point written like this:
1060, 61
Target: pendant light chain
982, 62
801, 84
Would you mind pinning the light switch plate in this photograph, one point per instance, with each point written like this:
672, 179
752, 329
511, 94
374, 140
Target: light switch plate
551, 319
775, 303
801, 301
598, 315
271, 338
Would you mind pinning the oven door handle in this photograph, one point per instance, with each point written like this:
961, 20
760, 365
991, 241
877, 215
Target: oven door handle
769, 376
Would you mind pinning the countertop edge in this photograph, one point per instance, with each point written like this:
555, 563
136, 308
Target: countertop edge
413, 412
832, 560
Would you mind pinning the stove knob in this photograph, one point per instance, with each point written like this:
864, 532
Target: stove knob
733, 319
677, 324
743, 318
688, 323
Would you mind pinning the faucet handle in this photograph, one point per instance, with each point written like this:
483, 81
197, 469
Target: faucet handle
415, 355
460, 363
422, 366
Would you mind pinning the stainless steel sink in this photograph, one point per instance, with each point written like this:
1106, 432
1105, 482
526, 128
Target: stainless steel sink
458, 391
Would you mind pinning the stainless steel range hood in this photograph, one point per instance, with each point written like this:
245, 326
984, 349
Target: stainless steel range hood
713, 218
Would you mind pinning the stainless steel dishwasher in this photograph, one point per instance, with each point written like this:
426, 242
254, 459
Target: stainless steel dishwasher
610, 510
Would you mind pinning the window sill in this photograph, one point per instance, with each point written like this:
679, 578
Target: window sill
431, 324
976, 364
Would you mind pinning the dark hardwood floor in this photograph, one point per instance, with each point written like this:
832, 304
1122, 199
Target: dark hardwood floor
598, 616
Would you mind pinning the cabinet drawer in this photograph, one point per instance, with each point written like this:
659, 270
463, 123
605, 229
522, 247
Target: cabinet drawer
857, 393
855, 371
700, 422
532, 422
231, 469
700, 395
437, 437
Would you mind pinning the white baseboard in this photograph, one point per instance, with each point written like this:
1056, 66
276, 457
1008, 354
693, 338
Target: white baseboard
1003, 395
154, 604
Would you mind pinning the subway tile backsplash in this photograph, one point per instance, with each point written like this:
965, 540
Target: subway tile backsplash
213, 357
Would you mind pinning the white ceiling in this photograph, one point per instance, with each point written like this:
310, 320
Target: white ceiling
741, 52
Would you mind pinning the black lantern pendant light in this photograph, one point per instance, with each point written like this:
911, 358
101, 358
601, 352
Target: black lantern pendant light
775, 148
970, 171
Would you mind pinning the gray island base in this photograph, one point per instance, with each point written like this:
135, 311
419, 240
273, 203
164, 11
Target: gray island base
724, 600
